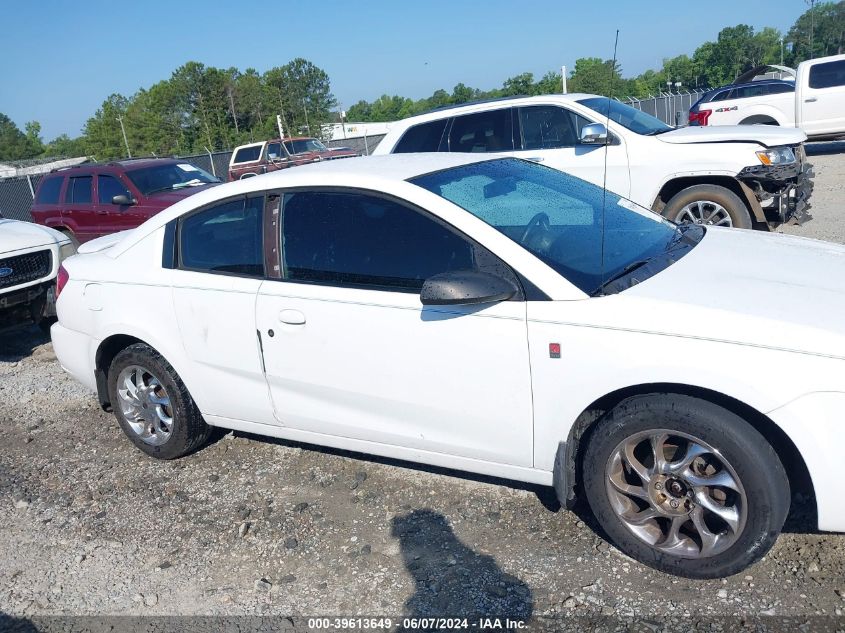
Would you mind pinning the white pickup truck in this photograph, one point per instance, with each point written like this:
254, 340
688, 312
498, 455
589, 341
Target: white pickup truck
740, 176
813, 100
30, 256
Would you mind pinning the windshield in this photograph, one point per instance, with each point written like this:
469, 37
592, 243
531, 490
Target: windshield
300, 146
631, 118
168, 177
559, 218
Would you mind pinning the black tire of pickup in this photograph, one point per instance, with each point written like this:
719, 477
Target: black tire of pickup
740, 218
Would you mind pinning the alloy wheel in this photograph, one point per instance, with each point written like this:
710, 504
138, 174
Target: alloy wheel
676, 493
704, 212
145, 404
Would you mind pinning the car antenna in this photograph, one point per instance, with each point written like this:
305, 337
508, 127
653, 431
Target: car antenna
606, 144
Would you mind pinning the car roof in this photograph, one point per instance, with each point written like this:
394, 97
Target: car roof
127, 164
517, 100
761, 82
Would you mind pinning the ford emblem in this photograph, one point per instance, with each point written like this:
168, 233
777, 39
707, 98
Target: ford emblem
5, 272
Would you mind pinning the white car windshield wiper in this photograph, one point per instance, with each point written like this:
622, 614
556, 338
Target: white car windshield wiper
622, 273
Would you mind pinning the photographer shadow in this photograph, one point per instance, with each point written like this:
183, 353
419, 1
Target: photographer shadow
452, 580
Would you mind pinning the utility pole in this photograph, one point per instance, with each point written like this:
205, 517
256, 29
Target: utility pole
563, 78
232, 103
122, 129
812, 4
305, 109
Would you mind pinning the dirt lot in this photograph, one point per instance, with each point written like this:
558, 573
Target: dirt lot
256, 526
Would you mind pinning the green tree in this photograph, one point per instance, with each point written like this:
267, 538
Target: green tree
65, 146
519, 85
824, 25
14, 144
594, 75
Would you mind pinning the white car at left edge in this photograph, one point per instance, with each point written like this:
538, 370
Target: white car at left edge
30, 256
491, 315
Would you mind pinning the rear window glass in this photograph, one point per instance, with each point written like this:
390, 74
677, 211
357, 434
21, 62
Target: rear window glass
490, 131
79, 190
424, 137
49, 191
828, 75
775, 89
720, 96
226, 238
749, 91
248, 154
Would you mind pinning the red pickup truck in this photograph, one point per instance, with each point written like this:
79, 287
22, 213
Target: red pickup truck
259, 158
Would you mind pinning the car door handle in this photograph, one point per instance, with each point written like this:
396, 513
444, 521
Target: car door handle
292, 317
810, 99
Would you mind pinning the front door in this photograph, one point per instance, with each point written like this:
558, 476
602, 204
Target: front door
350, 351
116, 217
823, 99
548, 134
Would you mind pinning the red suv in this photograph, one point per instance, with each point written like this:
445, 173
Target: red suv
93, 200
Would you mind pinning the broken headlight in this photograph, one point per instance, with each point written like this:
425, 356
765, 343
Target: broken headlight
777, 156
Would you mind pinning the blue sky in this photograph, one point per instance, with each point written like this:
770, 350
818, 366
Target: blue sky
62, 59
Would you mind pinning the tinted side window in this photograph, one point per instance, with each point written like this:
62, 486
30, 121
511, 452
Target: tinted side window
108, 187
79, 190
424, 137
226, 238
360, 240
49, 191
828, 75
482, 132
776, 89
547, 127
720, 96
248, 154
749, 91
274, 148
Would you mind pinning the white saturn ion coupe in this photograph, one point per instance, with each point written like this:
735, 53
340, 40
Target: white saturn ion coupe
488, 315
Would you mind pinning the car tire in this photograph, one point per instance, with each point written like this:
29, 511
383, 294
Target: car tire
708, 204
69, 234
160, 417
668, 538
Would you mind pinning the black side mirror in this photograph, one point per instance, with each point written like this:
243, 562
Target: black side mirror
465, 287
122, 200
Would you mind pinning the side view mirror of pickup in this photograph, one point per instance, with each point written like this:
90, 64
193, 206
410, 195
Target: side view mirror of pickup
594, 134
122, 200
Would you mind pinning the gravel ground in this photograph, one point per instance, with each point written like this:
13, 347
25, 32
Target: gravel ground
248, 525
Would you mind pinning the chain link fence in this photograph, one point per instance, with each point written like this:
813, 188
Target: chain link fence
672, 107
17, 194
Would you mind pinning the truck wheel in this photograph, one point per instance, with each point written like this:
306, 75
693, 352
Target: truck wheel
153, 406
685, 486
709, 205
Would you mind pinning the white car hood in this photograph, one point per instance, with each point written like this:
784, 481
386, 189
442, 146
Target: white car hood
766, 290
16, 235
768, 135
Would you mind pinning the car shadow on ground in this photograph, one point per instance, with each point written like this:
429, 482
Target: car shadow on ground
828, 147
17, 343
451, 578
802, 518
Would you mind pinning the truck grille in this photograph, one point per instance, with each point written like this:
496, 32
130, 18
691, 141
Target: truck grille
21, 269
